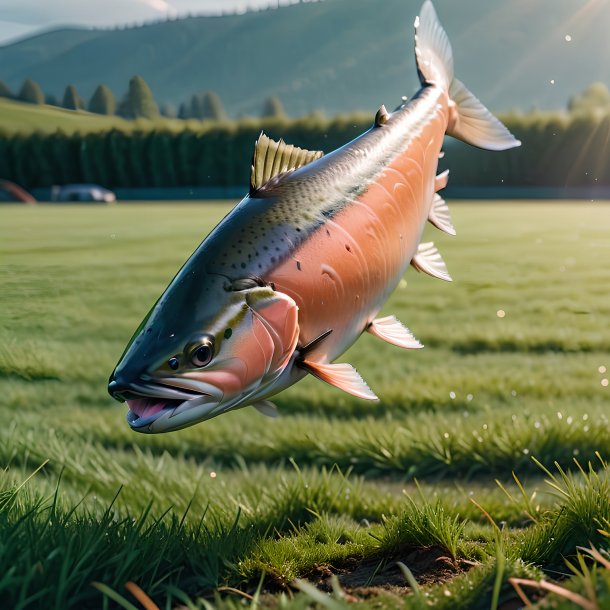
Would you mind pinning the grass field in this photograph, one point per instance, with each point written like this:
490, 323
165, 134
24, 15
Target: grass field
24, 118
336, 491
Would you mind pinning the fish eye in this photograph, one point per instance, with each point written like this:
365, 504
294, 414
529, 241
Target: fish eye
204, 353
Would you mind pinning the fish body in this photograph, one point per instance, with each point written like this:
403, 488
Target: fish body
300, 268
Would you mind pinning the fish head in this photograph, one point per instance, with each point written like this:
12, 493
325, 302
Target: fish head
183, 367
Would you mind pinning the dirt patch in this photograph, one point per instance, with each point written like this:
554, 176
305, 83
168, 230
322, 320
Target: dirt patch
374, 575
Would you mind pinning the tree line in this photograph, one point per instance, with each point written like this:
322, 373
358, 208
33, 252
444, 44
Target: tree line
137, 103
559, 149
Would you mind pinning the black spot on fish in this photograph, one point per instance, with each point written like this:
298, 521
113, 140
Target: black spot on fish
299, 265
243, 265
348, 248
273, 259
228, 333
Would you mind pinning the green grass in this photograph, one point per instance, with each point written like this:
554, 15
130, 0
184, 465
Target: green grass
328, 487
18, 117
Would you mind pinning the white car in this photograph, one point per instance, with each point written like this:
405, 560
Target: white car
82, 192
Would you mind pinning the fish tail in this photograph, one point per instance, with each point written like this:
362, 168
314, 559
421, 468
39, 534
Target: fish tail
469, 120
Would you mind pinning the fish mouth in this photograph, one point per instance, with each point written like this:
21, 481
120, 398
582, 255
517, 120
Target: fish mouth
143, 411
167, 406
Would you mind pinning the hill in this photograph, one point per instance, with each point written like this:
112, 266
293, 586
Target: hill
333, 56
17, 116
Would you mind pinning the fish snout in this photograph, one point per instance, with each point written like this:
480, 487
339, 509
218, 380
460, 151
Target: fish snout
120, 390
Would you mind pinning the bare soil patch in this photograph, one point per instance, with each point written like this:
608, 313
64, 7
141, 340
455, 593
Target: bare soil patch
381, 574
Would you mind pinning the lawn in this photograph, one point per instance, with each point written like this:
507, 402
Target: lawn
19, 117
318, 506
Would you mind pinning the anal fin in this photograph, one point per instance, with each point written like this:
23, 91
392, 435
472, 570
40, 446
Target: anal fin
428, 260
343, 376
267, 408
391, 329
439, 215
441, 181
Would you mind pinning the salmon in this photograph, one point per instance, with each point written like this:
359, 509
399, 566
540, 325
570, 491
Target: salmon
301, 267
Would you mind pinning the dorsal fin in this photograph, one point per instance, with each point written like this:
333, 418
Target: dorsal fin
273, 158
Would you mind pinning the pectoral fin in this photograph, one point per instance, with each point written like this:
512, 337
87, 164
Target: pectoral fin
266, 408
440, 182
390, 329
428, 260
343, 376
439, 215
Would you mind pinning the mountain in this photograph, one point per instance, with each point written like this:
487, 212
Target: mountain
333, 56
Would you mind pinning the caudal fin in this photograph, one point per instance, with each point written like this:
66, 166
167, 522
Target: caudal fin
469, 120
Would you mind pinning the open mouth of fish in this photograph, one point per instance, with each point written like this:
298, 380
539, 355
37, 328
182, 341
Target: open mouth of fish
145, 410
151, 403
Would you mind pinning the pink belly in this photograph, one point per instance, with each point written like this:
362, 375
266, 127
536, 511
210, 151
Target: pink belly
345, 271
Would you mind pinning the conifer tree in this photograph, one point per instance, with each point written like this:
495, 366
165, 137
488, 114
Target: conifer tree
211, 107
273, 109
5, 91
72, 100
102, 101
139, 101
183, 112
195, 107
31, 92
596, 96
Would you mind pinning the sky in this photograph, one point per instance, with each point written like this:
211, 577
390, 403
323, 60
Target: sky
20, 18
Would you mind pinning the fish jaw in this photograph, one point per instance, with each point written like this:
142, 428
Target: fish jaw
154, 414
